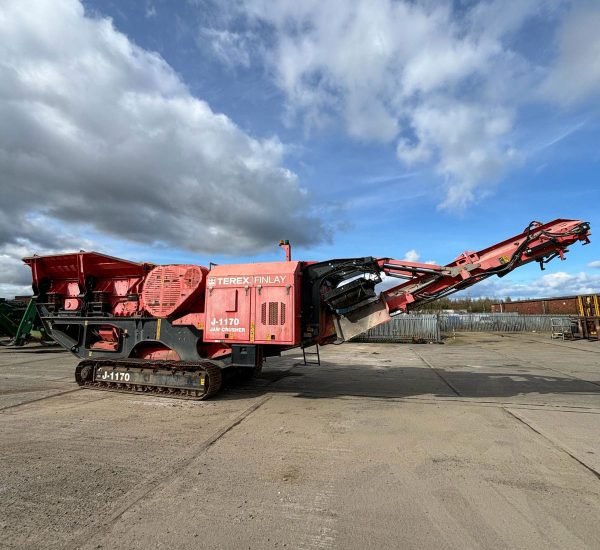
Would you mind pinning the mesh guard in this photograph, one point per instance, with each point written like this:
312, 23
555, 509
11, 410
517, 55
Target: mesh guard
168, 288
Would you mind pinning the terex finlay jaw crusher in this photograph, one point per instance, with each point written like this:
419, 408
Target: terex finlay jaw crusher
174, 329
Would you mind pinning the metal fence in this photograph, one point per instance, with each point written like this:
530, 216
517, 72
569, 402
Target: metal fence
405, 328
429, 327
497, 322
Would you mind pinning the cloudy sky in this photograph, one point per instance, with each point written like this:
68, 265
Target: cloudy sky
206, 130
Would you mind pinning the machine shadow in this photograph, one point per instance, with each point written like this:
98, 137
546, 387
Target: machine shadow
331, 381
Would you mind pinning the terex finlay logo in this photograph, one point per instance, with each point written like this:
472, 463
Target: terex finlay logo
247, 280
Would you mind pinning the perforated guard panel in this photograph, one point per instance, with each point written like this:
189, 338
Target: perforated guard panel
276, 313
168, 288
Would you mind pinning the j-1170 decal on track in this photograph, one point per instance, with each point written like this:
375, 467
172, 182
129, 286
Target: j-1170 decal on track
113, 376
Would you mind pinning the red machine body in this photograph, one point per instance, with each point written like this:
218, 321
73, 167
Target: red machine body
105, 283
254, 303
174, 327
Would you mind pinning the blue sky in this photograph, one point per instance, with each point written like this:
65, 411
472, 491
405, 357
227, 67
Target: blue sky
205, 131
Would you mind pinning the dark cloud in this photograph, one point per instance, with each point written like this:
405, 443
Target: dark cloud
98, 131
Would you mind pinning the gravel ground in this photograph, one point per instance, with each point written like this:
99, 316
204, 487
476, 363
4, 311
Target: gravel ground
487, 441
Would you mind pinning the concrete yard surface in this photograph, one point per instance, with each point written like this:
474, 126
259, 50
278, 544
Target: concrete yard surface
486, 441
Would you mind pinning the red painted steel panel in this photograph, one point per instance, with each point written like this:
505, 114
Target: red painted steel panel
228, 318
66, 277
253, 303
274, 304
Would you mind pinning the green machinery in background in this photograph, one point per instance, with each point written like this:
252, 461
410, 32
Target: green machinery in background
19, 321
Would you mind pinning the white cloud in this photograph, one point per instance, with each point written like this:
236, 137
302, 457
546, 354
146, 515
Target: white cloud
412, 153
99, 132
498, 18
595, 263
232, 48
470, 145
444, 82
412, 256
551, 284
150, 11
9, 290
15, 276
576, 74
414, 73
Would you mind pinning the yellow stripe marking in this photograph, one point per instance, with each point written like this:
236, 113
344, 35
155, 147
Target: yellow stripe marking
158, 329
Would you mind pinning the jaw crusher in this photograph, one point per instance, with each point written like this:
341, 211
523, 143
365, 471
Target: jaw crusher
174, 330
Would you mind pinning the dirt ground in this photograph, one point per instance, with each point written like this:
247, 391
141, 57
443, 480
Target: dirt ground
487, 441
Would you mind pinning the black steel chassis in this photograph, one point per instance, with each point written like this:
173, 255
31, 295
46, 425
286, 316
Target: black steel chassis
77, 335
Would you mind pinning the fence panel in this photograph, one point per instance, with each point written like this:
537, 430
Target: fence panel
497, 322
429, 327
404, 328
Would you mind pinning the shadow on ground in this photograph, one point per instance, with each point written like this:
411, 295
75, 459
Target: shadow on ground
332, 380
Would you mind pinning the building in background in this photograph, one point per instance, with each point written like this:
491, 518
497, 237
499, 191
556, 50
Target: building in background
563, 305
584, 305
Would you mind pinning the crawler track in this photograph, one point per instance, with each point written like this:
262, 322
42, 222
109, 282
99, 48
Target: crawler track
176, 379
